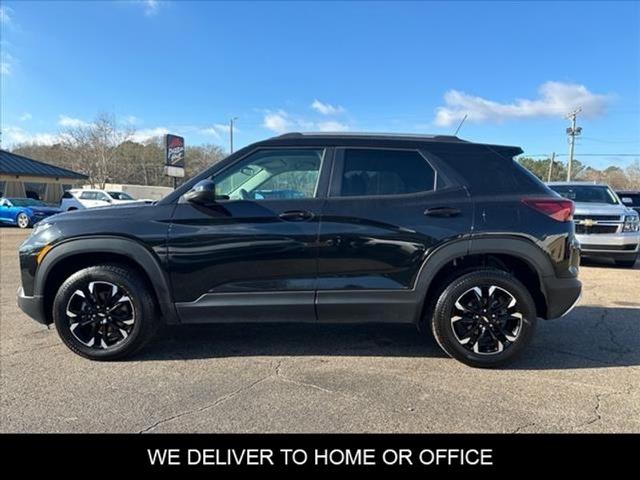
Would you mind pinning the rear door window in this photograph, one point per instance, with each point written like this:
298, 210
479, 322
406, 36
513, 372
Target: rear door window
380, 172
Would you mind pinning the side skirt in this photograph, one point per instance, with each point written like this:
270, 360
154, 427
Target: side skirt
325, 306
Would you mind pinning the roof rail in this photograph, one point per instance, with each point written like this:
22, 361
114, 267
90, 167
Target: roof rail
445, 138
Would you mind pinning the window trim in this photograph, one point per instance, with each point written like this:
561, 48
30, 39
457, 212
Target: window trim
337, 173
324, 170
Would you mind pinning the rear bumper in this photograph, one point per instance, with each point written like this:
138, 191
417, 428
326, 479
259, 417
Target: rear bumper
563, 294
32, 306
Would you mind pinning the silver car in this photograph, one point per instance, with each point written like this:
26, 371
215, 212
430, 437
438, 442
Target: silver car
605, 227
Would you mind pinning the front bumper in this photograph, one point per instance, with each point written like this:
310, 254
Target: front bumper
32, 306
609, 245
562, 294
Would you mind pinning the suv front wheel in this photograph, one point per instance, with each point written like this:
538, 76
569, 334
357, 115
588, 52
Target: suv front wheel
484, 318
104, 312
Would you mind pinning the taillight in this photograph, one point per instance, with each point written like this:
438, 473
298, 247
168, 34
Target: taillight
559, 209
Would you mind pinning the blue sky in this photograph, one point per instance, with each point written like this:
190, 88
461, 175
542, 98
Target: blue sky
187, 67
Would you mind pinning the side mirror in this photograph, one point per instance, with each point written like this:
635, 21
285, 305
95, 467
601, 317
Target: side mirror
202, 193
627, 200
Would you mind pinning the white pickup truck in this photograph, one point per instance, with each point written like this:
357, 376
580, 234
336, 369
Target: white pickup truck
605, 227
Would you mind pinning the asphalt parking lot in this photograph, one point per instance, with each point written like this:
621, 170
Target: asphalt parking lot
581, 374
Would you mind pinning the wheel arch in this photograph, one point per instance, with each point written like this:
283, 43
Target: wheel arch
73, 255
518, 256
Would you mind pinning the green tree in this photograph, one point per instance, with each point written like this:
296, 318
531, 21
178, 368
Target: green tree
540, 168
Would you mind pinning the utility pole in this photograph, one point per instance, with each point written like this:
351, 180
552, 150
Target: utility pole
572, 131
553, 158
233, 119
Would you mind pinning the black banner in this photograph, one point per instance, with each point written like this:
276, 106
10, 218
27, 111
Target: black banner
226, 453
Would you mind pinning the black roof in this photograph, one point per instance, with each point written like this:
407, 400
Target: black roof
13, 164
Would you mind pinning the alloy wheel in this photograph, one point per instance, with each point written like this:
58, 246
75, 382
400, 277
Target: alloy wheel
101, 315
486, 320
23, 220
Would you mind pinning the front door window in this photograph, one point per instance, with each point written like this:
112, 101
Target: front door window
272, 174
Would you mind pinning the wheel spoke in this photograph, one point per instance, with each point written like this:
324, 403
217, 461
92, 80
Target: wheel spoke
485, 319
472, 339
100, 314
502, 334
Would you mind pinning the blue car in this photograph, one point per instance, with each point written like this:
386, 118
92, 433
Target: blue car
24, 212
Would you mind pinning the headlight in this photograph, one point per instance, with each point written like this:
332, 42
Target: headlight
40, 227
43, 233
631, 223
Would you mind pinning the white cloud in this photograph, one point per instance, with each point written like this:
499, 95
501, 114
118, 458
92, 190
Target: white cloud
151, 7
327, 108
332, 126
210, 131
25, 116
555, 99
223, 127
5, 15
6, 60
146, 134
218, 129
12, 135
278, 122
65, 121
131, 120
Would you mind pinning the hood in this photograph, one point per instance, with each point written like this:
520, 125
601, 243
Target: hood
47, 210
589, 208
100, 213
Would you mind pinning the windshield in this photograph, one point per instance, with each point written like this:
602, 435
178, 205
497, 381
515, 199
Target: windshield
586, 193
26, 202
120, 196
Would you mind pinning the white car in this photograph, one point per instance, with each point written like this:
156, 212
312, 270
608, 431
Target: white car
77, 199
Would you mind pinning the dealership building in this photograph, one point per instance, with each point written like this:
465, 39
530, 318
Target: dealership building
24, 177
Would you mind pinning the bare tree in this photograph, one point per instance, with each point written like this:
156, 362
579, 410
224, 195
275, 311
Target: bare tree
94, 147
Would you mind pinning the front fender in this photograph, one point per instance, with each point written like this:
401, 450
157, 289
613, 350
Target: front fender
146, 259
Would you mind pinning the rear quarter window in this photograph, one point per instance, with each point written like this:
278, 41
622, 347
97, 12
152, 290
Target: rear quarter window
486, 171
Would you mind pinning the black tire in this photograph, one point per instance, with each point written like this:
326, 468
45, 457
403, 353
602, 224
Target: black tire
626, 263
518, 321
122, 329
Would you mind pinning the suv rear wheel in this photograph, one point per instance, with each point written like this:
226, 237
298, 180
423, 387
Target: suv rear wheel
104, 312
484, 318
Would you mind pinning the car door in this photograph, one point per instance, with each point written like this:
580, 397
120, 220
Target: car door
88, 199
6, 211
386, 210
252, 255
102, 199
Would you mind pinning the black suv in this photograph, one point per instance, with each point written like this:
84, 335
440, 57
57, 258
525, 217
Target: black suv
430, 230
